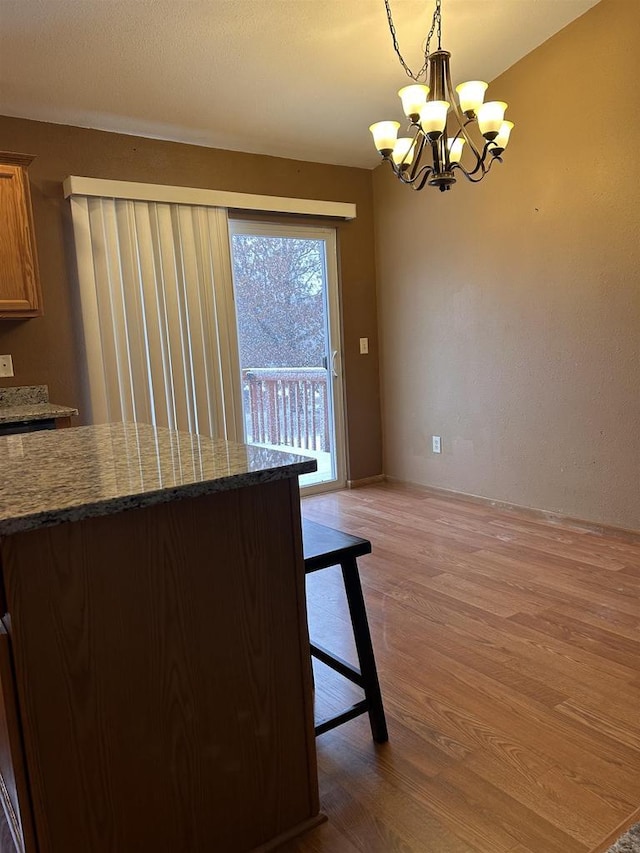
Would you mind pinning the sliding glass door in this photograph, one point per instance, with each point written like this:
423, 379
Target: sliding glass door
287, 309
218, 327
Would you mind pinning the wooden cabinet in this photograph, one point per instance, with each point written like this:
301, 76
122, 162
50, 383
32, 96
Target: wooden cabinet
15, 815
159, 663
19, 280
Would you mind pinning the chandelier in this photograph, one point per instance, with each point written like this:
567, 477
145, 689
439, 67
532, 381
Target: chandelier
439, 124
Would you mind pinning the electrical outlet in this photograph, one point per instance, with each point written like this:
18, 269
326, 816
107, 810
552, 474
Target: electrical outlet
435, 442
6, 365
364, 346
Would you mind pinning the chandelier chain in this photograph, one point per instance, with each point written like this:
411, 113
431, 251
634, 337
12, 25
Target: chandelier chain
436, 22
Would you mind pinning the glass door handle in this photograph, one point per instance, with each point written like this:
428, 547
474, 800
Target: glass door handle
325, 364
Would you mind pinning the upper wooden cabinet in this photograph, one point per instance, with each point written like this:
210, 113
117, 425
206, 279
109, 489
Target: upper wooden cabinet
19, 280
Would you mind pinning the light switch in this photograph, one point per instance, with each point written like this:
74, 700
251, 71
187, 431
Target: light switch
364, 346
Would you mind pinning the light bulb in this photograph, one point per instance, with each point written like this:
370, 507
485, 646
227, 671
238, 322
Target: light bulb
433, 118
413, 99
471, 95
385, 134
403, 152
490, 118
455, 146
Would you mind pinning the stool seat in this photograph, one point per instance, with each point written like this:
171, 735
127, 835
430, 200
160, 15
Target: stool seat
324, 547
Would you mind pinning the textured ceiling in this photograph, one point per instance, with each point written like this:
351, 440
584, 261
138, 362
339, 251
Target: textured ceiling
293, 78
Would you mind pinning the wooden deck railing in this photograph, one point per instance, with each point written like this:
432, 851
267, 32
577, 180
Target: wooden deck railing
287, 406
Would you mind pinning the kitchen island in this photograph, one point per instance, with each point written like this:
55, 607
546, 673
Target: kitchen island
154, 661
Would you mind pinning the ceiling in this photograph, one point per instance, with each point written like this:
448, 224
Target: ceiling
293, 78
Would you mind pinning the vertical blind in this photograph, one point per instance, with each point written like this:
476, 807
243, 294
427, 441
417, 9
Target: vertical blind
158, 314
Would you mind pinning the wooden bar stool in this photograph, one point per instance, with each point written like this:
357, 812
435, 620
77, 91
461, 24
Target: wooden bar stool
324, 547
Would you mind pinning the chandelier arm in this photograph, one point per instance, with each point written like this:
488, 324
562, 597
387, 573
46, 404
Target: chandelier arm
481, 161
417, 157
469, 175
424, 177
462, 124
493, 160
485, 170
480, 158
479, 167
397, 172
417, 181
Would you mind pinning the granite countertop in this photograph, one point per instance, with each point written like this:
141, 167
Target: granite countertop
30, 403
52, 476
34, 412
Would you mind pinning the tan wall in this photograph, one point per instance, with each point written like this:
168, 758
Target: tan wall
510, 311
47, 349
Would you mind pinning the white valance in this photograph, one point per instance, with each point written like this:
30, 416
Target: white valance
74, 185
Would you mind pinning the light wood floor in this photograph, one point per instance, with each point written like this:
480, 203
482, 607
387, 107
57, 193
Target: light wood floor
508, 653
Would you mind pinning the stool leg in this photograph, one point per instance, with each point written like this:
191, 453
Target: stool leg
364, 648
